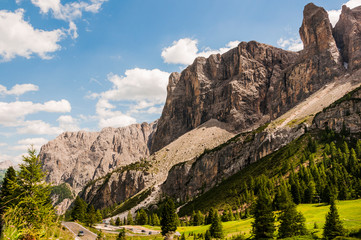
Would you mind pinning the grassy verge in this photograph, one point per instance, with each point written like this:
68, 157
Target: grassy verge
349, 210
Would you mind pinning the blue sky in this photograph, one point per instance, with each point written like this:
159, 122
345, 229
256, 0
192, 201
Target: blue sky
88, 64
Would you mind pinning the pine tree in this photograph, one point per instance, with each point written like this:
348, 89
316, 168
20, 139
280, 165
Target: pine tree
79, 210
209, 218
7, 192
333, 226
142, 217
156, 221
183, 237
169, 217
99, 216
31, 212
130, 219
111, 222
216, 228
117, 221
292, 222
207, 236
91, 217
264, 220
121, 235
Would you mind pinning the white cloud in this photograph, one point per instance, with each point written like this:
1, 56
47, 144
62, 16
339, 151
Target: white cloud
25, 144
110, 118
18, 89
117, 120
145, 88
38, 127
21, 39
69, 11
3, 144
14, 112
68, 123
185, 50
334, 15
292, 44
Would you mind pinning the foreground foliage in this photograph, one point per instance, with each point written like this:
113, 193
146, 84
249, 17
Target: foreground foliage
27, 212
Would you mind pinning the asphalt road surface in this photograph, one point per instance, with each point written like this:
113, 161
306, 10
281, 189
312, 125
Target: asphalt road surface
75, 228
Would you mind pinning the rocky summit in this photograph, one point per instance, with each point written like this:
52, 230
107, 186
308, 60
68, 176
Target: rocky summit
221, 114
79, 157
251, 84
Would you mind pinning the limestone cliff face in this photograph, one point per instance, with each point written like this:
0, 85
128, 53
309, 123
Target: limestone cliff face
252, 83
79, 157
115, 189
347, 33
345, 113
191, 178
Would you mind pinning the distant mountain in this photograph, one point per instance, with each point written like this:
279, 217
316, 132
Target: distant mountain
6, 164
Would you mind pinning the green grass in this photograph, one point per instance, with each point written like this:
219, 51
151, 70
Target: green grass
350, 214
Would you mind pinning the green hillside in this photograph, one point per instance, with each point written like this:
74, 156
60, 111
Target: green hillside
318, 164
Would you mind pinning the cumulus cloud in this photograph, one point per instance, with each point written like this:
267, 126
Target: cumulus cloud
25, 144
185, 50
334, 15
69, 11
13, 113
68, 123
21, 39
38, 127
144, 88
18, 89
292, 44
108, 117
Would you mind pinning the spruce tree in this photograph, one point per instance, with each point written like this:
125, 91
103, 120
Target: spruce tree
216, 228
121, 235
333, 226
142, 217
207, 236
130, 219
169, 217
292, 222
156, 221
31, 212
264, 220
117, 221
7, 192
99, 216
91, 217
7, 189
79, 210
183, 237
209, 218
112, 222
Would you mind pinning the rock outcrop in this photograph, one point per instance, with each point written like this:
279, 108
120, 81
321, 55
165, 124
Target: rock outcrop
129, 180
347, 33
79, 157
345, 114
250, 84
189, 179
114, 189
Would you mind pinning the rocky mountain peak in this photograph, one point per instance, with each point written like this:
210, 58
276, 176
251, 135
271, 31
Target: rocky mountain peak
316, 32
347, 33
79, 157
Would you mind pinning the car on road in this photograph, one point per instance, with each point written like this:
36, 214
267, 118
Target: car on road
81, 233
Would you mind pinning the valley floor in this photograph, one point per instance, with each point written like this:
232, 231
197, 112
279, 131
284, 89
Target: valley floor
349, 210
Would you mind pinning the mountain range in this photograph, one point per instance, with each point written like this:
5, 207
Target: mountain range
222, 113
